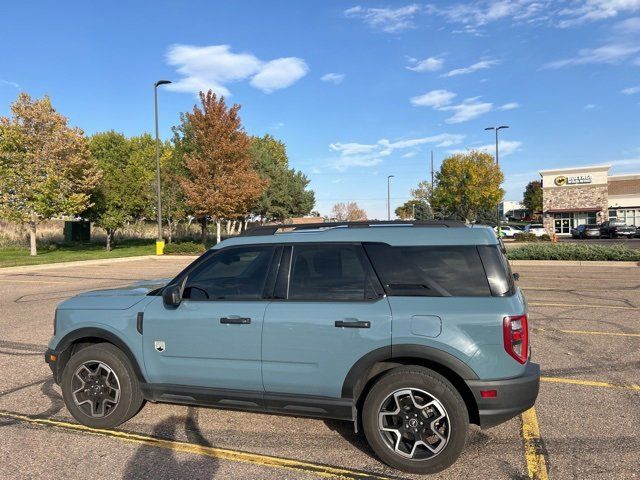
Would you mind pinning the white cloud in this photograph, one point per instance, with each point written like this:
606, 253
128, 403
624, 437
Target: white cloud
589, 106
509, 106
9, 84
335, 78
608, 54
215, 66
507, 147
366, 155
468, 110
591, 10
481, 65
630, 90
431, 64
434, 98
389, 20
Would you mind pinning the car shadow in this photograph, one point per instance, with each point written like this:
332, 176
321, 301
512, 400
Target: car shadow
159, 463
346, 431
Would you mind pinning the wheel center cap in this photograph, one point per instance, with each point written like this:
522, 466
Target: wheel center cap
413, 423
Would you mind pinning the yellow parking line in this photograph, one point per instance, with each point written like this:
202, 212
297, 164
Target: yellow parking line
536, 462
583, 305
585, 332
185, 447
10, 280
589, 383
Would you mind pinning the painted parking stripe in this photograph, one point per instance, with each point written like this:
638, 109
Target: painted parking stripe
533, 446
585, 332
590, 383
320, 470
583, 305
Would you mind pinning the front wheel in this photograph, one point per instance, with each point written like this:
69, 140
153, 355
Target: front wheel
100, 388
415, 420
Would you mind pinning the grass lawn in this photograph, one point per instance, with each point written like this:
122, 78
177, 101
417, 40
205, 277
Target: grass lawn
11, 257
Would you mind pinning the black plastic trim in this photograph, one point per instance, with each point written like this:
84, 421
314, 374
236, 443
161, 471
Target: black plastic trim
247, 400
139, 322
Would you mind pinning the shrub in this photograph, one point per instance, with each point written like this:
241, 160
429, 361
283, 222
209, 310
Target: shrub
530, 237
184, 248
572, 251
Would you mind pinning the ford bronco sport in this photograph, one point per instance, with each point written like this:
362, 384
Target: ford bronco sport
410, 330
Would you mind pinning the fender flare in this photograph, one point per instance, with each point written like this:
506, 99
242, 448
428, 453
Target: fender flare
107, 336
357, 376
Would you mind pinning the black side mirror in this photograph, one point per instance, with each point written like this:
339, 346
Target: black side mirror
516, 276
172, 294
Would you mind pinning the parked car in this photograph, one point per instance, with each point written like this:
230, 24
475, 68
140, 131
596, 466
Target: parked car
298, 321
614, 229
536, 228
586, 231
508, 231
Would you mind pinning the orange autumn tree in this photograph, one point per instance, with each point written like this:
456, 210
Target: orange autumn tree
220, 182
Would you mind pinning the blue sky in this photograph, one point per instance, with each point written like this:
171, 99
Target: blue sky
359, 89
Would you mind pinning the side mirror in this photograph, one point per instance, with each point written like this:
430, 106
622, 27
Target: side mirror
516, 276
172, 294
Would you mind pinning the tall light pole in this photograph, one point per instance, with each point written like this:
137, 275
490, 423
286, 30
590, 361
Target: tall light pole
497, 129
160, 240
389, 177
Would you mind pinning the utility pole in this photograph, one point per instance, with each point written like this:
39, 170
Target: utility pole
160, 240
389, 177
431, 169
498, 165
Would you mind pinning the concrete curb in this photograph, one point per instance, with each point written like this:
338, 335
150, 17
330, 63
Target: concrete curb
84, 263
572, 263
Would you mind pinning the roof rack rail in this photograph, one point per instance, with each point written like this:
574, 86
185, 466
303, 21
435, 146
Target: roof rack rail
289, 228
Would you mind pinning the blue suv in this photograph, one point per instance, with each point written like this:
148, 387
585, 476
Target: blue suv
410, 330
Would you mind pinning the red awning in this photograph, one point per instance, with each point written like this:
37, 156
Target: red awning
572, 210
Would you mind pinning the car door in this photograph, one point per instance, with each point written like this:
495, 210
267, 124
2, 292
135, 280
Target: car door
331, 312
212, 339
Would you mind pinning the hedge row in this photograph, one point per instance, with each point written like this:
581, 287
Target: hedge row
184, 248
572, 251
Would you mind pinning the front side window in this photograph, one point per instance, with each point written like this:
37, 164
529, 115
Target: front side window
431, 271
329, 272
232, 274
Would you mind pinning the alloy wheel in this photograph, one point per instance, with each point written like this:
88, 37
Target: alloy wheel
96, 389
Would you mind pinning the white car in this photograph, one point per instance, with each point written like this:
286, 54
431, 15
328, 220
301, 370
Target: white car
536, 228
507, 231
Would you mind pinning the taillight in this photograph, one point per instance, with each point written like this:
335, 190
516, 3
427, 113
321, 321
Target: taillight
516, 337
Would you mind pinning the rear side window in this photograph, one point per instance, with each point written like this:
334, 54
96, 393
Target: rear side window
433, 271
329, 272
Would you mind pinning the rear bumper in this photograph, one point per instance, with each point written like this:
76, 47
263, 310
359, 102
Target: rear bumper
514, 396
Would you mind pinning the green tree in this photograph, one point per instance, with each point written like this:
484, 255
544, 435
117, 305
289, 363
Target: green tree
174, 208
414, 209
125, 192
46, 169
286, 194
532, 197
348, 212
467, 184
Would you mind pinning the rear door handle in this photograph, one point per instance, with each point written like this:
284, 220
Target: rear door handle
353, 324
236, 320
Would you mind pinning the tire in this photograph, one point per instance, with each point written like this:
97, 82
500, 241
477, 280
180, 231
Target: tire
428, 388
105, 406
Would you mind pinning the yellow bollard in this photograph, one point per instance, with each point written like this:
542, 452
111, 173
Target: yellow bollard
159, 247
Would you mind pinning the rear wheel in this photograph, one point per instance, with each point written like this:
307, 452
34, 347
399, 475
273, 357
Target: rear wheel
100, 388
415, 420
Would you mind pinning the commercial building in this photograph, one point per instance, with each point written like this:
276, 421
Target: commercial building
583, 195
512, 210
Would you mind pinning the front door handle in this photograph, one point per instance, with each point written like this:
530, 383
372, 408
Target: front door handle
236, 320
353, 324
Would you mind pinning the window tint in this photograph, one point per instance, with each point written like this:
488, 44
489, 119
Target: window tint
430, 271
233, 273
329, 272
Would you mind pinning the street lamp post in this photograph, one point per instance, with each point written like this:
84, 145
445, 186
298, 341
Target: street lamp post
160, 240
389, 177
498, 165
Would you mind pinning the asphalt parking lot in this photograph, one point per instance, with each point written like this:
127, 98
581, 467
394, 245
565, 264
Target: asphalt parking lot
585, 334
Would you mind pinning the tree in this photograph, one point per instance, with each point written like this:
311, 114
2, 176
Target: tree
125, 193
348, 212
286, 195
414, 209
532, 197
220, 182
46, 169
174, 208
467, 183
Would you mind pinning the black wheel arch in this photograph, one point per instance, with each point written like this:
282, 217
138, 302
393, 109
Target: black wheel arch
366, 371
82, 337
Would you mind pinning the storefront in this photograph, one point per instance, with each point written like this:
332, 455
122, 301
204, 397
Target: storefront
588, 195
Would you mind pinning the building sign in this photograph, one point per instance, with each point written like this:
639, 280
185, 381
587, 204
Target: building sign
562, 180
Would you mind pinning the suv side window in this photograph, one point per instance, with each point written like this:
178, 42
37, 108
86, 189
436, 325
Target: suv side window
431, 271
236, 273
329, 272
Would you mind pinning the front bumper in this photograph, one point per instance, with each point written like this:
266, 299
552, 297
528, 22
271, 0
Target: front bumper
52, 358
514, 396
